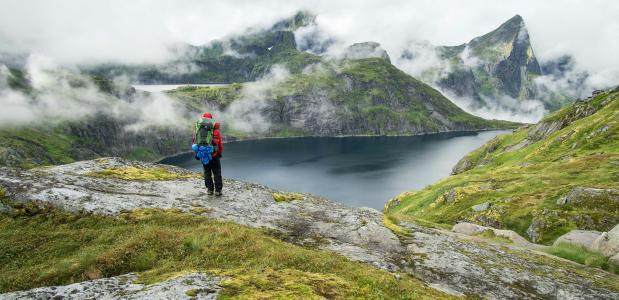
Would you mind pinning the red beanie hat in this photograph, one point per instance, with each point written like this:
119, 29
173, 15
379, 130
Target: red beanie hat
207, 115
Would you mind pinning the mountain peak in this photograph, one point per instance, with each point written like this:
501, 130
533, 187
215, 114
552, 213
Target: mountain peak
515, 19
514, 28
301, 19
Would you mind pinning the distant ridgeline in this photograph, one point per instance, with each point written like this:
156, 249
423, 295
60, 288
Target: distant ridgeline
500, 64
542, 181
360, 94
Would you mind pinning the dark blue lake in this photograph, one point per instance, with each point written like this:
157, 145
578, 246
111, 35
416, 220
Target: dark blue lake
358, 171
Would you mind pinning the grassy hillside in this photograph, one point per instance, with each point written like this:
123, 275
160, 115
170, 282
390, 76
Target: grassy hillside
537, 180
44, 246
28, 147
365, 96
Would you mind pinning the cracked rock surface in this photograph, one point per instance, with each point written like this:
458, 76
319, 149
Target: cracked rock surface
453, 262
463, 265
201, 285
357, 233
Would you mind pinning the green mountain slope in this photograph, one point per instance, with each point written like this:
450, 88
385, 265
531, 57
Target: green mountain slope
349, 97
541, 181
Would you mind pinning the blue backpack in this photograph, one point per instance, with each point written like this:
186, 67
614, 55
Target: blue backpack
203, 153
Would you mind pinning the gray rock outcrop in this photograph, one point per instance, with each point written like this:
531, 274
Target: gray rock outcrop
608, 242
582, 238
582, 195
188, 286
457, 263
474, 229
354, 232
453, 262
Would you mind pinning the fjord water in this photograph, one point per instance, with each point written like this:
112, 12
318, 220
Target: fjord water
358, 171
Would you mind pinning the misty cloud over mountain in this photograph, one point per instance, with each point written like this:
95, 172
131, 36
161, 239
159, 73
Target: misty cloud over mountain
573, 45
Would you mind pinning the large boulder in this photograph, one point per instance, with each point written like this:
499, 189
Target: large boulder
608, 242
474, 229
585, 196
582, 238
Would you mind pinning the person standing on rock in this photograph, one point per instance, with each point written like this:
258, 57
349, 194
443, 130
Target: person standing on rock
208, 146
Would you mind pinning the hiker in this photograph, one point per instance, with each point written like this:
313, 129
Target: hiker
208, 147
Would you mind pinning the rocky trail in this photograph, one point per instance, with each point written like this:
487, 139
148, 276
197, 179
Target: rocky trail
453, 262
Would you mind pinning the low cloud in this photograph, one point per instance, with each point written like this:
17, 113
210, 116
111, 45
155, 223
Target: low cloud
420, 59
60, 95
247, 113
74, 31
503, 108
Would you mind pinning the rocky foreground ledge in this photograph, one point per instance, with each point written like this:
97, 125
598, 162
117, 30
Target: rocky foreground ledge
449, 261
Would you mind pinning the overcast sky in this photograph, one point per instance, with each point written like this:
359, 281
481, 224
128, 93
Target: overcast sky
77, 31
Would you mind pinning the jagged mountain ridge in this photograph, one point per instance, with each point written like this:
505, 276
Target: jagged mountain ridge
507, 55
499, 64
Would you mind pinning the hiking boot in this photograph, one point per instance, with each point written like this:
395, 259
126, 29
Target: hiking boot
218, 193
210, 192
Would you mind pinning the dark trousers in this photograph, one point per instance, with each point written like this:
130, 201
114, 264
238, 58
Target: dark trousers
213, 169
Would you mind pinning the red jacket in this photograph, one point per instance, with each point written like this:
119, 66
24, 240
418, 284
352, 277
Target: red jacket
217, 140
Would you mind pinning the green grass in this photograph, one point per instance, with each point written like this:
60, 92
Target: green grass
489, 234
44, 246
582, 256
393, 225
523, 185
35, 146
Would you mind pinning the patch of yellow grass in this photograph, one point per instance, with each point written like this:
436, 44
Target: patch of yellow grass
285, 197
393, 226
140, 174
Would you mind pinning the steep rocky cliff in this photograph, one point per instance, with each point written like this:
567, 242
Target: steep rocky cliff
497, 66
506, 63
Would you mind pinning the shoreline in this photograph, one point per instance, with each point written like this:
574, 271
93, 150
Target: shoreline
337, 136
